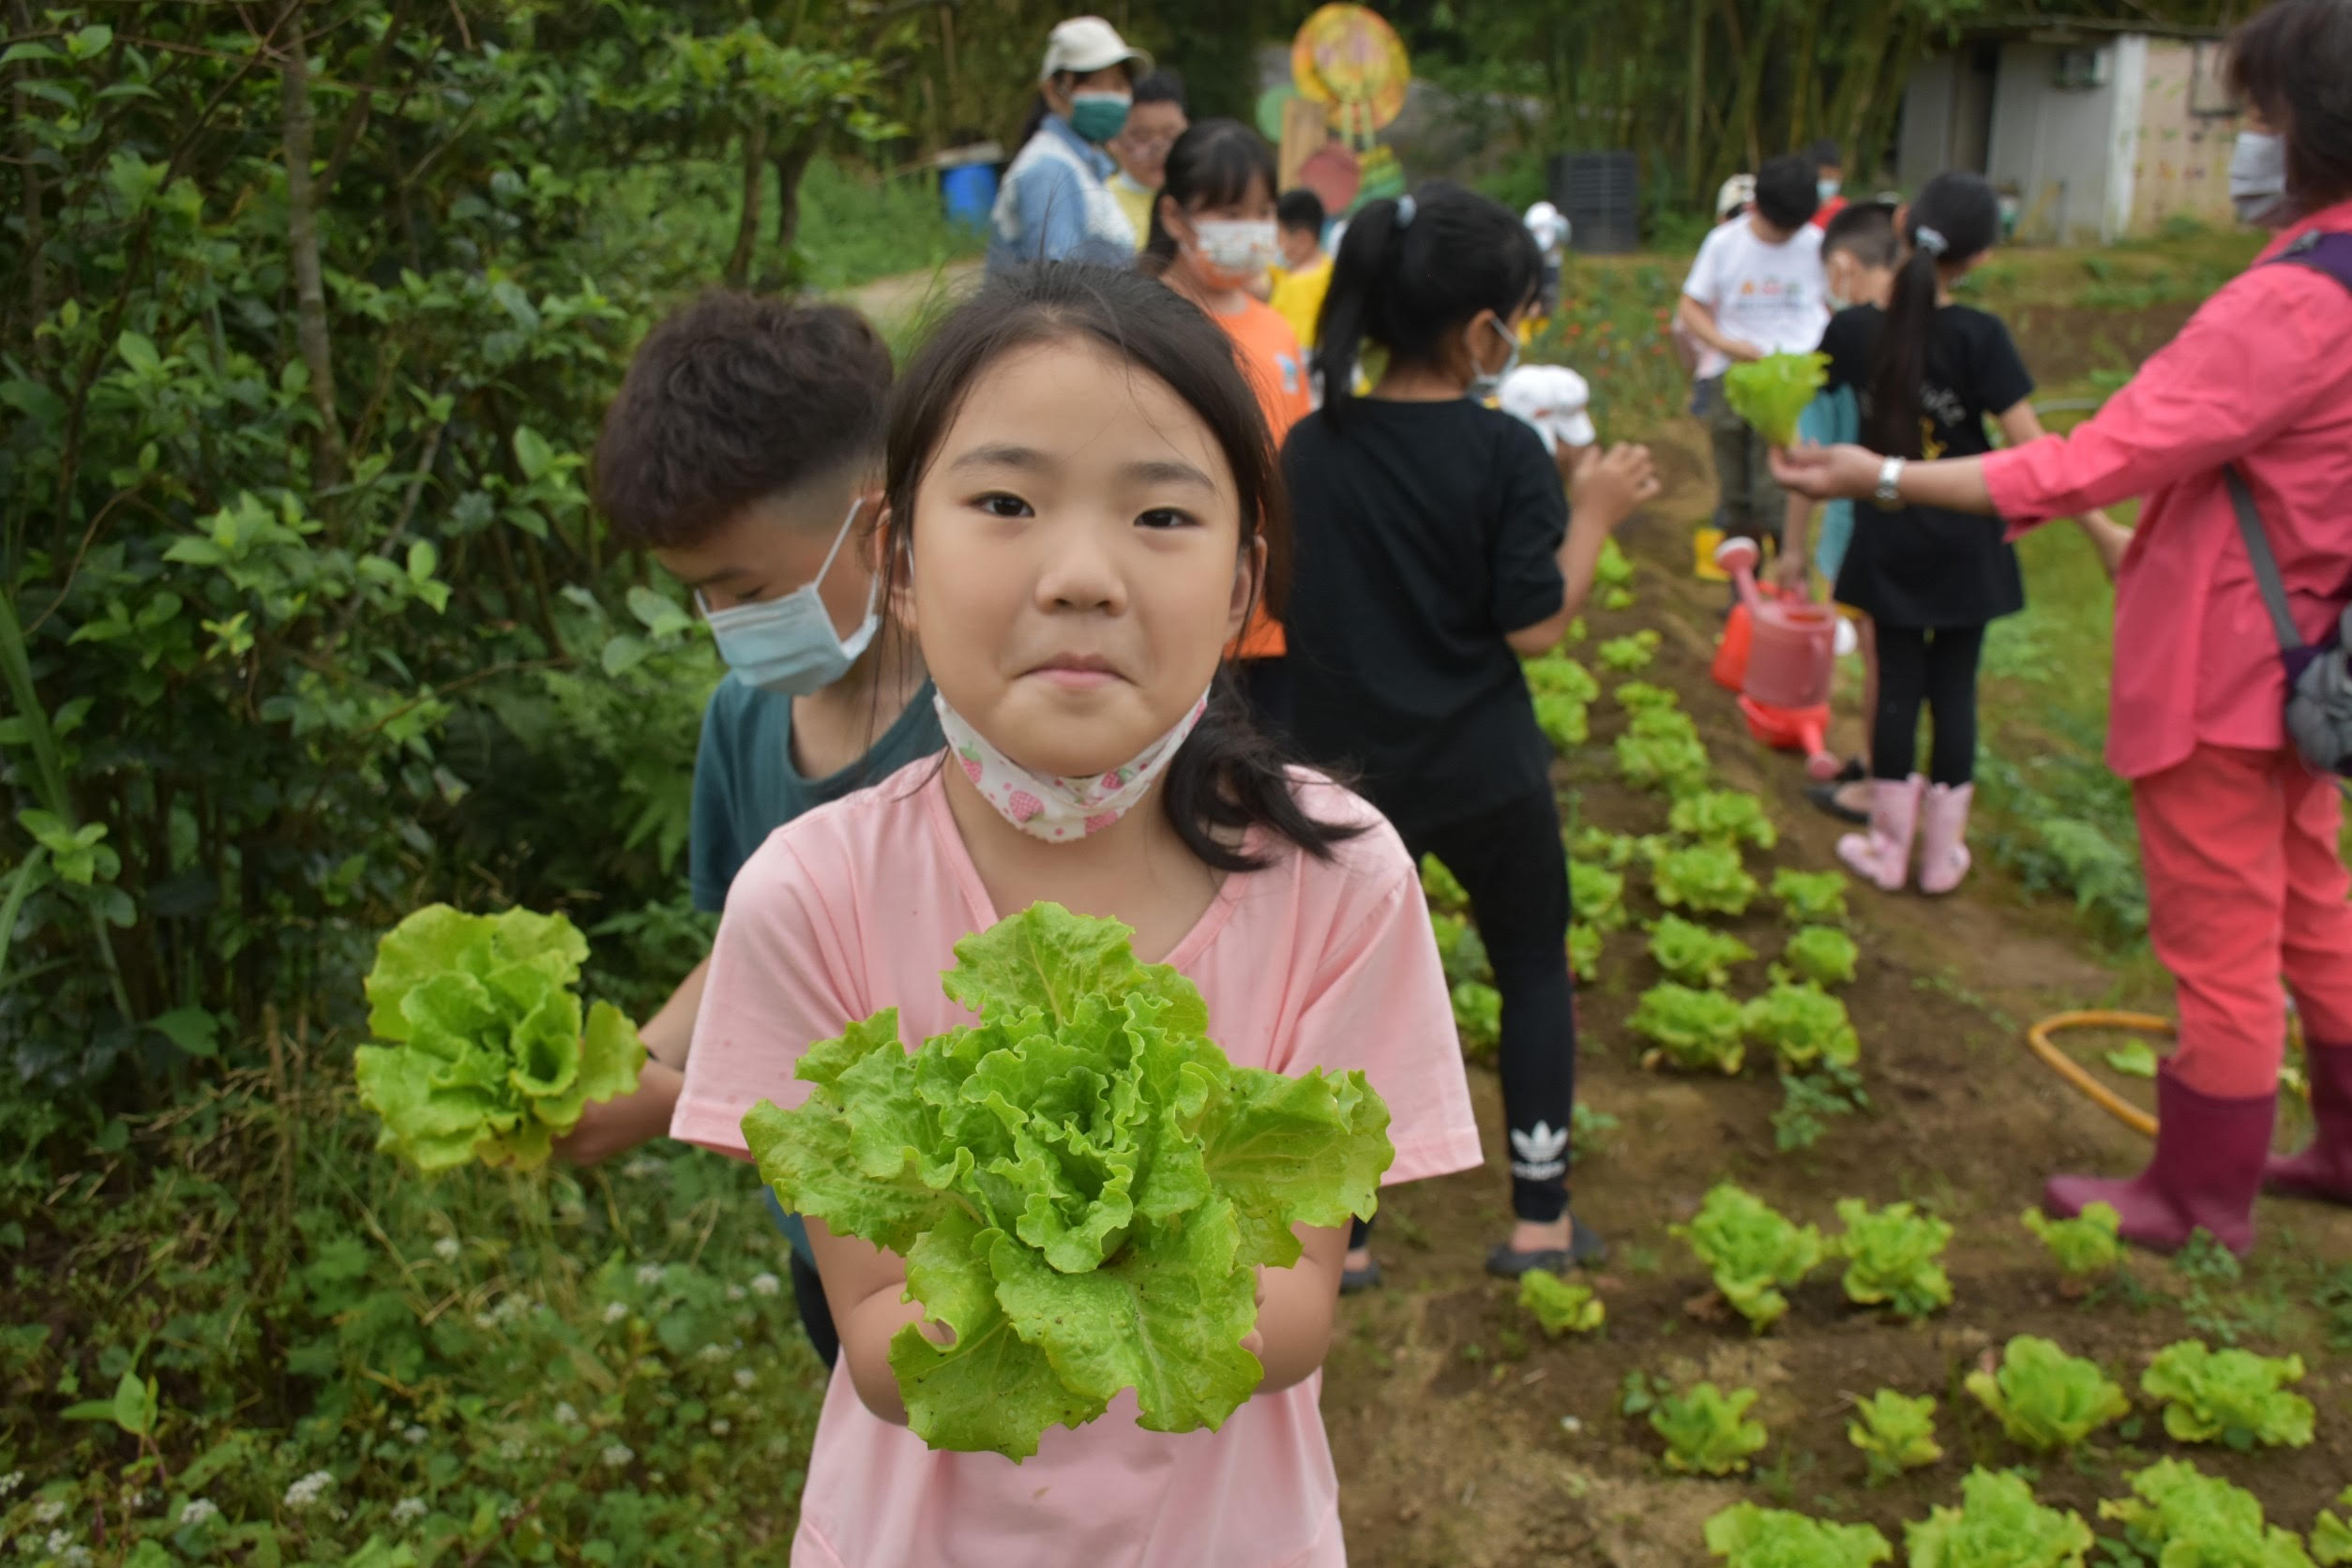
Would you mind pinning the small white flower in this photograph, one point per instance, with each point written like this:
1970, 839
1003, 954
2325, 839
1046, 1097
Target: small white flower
485, 1320
197, 1510
306, 1492
722, 1427
414, 1435
744, 1377
1571, 1425
737, 1292
765, 1284
642, 1167
711, 1352
615, 1311
565, 1415
73, 1557
58, 1540
446, 1249
10, 1482
617, 1453
49, 1511
510, 1450
407, 1511
649, 1274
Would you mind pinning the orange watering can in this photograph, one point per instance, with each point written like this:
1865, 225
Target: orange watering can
1779, 652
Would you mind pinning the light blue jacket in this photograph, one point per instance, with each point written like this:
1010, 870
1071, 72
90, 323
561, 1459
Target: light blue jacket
1055, 207
1830, 419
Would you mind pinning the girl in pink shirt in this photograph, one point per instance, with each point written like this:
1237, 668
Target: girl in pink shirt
2238, 838
1083, 509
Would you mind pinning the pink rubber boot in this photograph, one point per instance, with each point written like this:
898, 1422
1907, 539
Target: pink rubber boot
1882, 856
1943, 837
2209, 1162
2324, 1170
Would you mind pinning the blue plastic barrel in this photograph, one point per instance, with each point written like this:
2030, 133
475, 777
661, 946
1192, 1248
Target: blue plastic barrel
969, 193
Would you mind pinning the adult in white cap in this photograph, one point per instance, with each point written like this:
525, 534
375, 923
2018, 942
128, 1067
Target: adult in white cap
1056, 203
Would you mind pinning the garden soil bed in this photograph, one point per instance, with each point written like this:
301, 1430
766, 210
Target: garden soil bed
1463, 1438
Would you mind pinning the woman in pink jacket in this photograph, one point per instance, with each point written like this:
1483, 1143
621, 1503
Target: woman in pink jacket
2238, 837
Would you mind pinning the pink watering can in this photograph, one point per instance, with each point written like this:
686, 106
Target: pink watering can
1780, 654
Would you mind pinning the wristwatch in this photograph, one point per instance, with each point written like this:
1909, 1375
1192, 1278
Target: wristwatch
1889, 495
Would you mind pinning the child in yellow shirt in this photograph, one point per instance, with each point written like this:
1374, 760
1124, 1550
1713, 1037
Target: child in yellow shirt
1299, 282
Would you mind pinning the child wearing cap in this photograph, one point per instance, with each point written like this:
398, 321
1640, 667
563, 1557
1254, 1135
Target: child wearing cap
1057, 204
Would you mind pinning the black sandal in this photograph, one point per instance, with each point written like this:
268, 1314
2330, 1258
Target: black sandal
1356, 1281
1824, 798
1584, 1249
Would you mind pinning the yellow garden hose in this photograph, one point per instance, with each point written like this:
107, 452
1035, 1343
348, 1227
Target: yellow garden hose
2037, 1041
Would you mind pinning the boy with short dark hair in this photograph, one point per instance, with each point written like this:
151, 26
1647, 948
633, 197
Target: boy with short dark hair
743, 451
1828, 181
1305, 275
1758, 287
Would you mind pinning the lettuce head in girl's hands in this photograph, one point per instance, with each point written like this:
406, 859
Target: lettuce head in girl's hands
1772, 392
1083, 1185
488, 1060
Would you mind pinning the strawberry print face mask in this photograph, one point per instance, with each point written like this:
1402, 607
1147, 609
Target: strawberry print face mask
1047, 805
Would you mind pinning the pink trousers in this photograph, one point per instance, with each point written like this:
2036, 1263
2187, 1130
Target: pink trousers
2246, 884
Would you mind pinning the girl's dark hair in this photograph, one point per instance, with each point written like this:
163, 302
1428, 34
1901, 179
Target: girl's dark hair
1955, 218
1212, 164
2293, 61
1408, 284
1227, 776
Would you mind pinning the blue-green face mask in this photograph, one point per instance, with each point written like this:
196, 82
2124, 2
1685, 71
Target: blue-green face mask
1098, 116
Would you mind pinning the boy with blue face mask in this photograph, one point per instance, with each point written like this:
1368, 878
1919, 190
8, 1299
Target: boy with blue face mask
742, 451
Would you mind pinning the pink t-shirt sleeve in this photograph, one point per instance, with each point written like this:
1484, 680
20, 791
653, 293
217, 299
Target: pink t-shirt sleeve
778, 984
1378, 1001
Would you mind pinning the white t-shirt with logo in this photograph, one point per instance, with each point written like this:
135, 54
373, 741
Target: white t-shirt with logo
1775, 296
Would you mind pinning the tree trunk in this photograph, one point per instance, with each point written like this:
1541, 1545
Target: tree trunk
302, 240
792, 164
1693, 156
755, 173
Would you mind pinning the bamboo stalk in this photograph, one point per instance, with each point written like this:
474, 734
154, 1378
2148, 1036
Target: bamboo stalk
302, 242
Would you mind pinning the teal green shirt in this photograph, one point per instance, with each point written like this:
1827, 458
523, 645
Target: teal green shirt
745, 785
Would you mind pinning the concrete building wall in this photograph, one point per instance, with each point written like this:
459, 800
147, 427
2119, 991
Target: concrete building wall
2181, 158
2054, 147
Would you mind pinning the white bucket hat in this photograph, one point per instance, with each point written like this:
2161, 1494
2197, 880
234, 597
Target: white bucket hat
1555, 400
1085, 44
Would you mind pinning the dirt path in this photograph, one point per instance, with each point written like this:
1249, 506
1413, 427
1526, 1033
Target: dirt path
1448, 1424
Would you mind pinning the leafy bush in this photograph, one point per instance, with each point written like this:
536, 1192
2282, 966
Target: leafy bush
1707, 1431
1460, 950
2181, 1517
1477, 1016
1584, 951
1747, 1536
1696, 955
2045, 1399
1560, 1306
1753, 1252
1640, 697
1597, 896
1445, 895
1891, 1257
1822, 955
1070, 1266
1697, 1030
1804, 1025
2090, 1245
1811, 897
1724, 816
1998, 1524
1629, 653
1704, 877
489, 1061
2230, 1396
1895, 1433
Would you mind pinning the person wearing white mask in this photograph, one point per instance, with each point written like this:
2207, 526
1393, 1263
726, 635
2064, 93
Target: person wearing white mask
1057, 204
743, 452
1213, 237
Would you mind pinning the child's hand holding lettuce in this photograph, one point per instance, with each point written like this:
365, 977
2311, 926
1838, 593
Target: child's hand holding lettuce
1083, 1185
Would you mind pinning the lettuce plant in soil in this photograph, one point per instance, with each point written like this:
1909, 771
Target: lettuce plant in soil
1804, 1025
2331, 1536
1998, 1524
1891, 1257
1705, 878
1565, 722
1696, 1031
2085, 1246
1639, 697
1811, 897
1754, 1252
1707, 1431
1597, 896
1894, 1432
2229, 1397
1558, 676
1460, 950
1696, 955
1081, 1184
1724, 816
1477, 1016
1746, 1536
1613, 568
1560, 1306
1679, 767
2178, 1517
2045, 1400
1822, 955
1601, 847
1583, 952
488, 1059
1629, 653
1444, 892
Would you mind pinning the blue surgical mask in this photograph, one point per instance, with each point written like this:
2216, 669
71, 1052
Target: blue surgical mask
788, 645
1099, 116
1485, 383
1828, 190
2258, 180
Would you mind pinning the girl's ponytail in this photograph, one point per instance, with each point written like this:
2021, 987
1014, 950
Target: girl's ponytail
1954, 221
1412, 272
